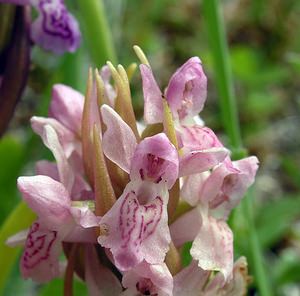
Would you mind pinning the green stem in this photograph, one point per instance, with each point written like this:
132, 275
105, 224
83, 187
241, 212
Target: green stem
96, 31
19, 219
219, 47
217, 39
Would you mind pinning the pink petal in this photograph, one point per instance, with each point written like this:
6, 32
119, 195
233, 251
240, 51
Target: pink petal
228, 183
40, 257
80, 187
147, 279
237, 286
200, 161
202, 150
85, 217
47, 197
213, 247
67, 107
187, 89
55, 29
190, 281
155, 159
66, 174
118, 141
66, 137
153, 107
192, 221
136, 227
99, 279
192, 184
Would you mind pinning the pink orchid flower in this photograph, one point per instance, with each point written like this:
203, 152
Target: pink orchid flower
194, 281
147, 279
57, 220
185, 93
136, 228
214, 195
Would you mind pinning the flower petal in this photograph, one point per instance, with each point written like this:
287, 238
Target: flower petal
153, 106
136, 227
227, 185
192, 184
66, 174
66, 137
155, 159
118, 141
47, 197
55, 29
213, 246
40, 257
187, 89
190, 281
147, 279
201, 149
192, 221
66, 107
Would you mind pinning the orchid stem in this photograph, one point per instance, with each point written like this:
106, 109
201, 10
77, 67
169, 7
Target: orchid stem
219, 47
96, 31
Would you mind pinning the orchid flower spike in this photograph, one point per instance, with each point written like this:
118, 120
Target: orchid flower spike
125, 202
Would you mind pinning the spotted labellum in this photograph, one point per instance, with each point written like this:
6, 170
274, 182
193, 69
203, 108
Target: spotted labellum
120, 201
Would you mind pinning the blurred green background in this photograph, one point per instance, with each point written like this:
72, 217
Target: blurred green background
264, 44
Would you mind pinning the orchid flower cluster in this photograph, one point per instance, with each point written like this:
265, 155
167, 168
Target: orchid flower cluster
122, 197
55, 28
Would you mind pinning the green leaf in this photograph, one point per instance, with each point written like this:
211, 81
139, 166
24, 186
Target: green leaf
11, 159
281, 212
56, 287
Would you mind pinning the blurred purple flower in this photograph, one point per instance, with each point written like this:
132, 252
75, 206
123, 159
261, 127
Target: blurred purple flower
55, 28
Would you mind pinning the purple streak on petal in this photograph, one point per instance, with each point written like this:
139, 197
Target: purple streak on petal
136, 226
40, 258
67, 107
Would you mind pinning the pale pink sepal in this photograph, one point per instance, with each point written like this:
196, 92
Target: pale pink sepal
67, 106
155, 159
118, 141
190, 281
99, 279
227, 185
192, 221
201, 150
237, 286
147, 279
153, 107
191, 187
187, 89
213, 246
47, 197
136, 227
66, 174
67, 138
